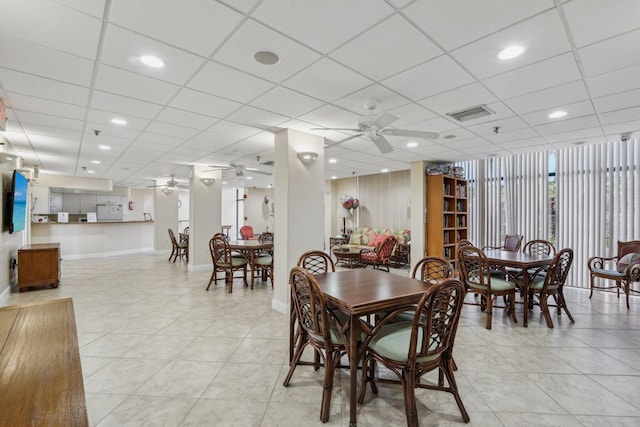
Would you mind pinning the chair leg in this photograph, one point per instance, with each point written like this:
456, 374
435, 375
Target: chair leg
626, 291
545, 309
563, 304
448, 372
329, 365
489, 311
512, 304
214, 278
230, 280
410, 408
591, 286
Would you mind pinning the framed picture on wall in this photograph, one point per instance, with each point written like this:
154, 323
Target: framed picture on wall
147, 216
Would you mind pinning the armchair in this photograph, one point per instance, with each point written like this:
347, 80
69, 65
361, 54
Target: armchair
380, 256
512, 243
627, 268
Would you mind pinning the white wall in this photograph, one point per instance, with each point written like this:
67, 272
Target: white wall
166, 216
142, 203
258, 213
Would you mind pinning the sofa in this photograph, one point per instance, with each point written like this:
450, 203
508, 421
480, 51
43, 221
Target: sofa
361, 238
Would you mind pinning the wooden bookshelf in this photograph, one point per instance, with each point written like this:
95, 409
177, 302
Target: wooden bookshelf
447, 219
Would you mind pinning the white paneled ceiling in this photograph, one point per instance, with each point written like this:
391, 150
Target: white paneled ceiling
68, 67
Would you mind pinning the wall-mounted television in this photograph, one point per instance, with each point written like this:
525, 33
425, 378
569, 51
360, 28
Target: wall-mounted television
17, 202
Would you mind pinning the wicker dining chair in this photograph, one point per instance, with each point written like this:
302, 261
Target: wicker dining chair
178, 249
476, 274
224, 261
552, 284
623, 269
321, 327
414, 348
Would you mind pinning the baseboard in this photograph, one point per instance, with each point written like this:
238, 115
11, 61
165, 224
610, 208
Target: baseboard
280, 306
201, 267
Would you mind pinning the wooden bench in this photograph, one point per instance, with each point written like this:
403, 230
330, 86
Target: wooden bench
40, 373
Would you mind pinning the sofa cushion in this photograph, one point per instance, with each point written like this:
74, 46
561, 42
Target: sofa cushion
376, 239
627, 260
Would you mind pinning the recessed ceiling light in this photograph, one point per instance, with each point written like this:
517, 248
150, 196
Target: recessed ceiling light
117, 121
266, 58
104, 147
385, 170
412, 144
152, 61
333, 161
95, 162
249, 177
91, 171
224, 182
9, 158
511, 52
557, 114
334, 177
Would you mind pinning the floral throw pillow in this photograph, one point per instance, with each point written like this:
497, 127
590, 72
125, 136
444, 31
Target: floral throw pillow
627, 260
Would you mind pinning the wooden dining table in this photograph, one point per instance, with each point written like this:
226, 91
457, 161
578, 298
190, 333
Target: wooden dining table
359, 293
520, 261
251, 250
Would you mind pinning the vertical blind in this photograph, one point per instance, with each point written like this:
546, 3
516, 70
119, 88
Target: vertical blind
592, 201
385, 199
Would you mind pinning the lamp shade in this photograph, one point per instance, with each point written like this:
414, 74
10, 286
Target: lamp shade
343, 213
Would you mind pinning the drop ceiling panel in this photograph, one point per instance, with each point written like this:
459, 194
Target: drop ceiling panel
52, 25
579, 109
226, 82
310, 25
574, 136
410, 114
185, 118
327, 80
260, 119
202, 103
458, 22
45, 106
568, 125
620, 116
548, 98
387, 99
172, 130
398, 42
125, 83
25, 57
433, 77
286, 102
542, 75
615, 81
458, 99
41, 87
252, 37
198, 28
123, 49
101, 119
612, 54
94, 7
332, 116
29, 119
541, 36
588, 27
124, 106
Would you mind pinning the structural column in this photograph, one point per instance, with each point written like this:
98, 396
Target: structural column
418, 211
166, 216
205, 214
299, 206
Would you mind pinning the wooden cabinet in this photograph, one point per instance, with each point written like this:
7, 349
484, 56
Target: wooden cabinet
39, 264
446, 215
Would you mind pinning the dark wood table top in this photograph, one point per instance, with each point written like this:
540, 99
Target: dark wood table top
360, 292
40, 374
516, 259
249, 244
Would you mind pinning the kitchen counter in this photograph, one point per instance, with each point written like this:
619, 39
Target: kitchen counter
96, 239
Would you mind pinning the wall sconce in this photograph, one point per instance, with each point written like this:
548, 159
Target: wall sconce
207, 181
167, 190
308, 157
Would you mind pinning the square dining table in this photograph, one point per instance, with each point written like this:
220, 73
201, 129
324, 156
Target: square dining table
519, 261
361, 292
250, 249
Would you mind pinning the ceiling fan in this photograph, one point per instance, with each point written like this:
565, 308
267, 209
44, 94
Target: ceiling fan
171, 183
239, 167
374, 127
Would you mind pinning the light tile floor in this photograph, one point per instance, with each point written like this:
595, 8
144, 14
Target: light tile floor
158, 350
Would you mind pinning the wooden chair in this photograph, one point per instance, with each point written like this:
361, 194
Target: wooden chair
315, 262
321, 327
533, 247
433, 269
223, 261
623, 274
179, 249
512, 242
379, 257
476, 275
551, 284
411, 349
264, 261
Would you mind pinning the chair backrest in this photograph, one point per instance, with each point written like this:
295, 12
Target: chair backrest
172, 236
316, 262
512, 242
539, 247
474, 268
186, 230
558, 269
220, 249
435, 323
628, 248
309, 304
224, 236
266, 237
385, 248
464, 242
432, 269
246, 232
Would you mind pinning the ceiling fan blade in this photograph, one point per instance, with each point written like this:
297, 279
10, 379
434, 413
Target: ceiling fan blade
384, 120
344, 140
258, 171
347, 129
382, 144
411, 133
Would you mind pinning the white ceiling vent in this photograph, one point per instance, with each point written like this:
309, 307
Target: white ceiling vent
471, 113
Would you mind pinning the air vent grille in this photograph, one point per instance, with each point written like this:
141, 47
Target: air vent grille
471, 113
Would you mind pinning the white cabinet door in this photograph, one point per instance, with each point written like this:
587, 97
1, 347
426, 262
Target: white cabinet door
88, 203
40, 200
71, 203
